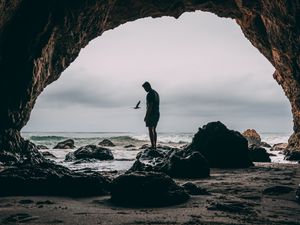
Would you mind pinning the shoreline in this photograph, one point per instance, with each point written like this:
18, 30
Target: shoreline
238, 196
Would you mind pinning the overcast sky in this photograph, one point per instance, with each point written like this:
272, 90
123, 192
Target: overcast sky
202, 66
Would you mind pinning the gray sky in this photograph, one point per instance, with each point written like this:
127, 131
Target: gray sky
202, 66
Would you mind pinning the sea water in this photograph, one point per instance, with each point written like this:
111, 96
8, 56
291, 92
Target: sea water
125, 157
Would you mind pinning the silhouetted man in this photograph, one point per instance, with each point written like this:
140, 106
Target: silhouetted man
152, 113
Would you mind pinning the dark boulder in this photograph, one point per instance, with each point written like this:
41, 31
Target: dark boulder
223, 148
67, 144
193, 189
90, 152
292, 156
146, 189
279, 147
41, 147
252, 137
191, 166
48, 155
106, 143
277, 190
150, 153
47, 178
174, 163
265, 145
259, 154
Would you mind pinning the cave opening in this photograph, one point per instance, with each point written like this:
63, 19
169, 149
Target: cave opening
202, 65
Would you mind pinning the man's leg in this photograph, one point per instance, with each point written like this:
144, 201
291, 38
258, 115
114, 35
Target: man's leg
151, 136
154, 136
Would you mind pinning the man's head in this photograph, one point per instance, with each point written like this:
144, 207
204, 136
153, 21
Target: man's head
147, 86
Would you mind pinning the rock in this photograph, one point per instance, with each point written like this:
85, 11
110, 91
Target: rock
146, 189
106, 143
292, 156
279, 147
175, 164
90, 152
26, 201
258, 154
277, 190
223, 148
41, 147
252, 137
191, 166
48, 155
47, 178
67, 144
150, 153
193, 189
265, 145
129, 146
144, 146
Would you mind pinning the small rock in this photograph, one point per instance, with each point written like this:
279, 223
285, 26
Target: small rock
129, 146
144, 146
265, 145
279, 147
258, 154
48, 155
90, 152
146, 189
252, 137
106, 143
193, 189
26, 201
67, 144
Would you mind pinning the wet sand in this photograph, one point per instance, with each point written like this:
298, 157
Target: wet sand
237, 197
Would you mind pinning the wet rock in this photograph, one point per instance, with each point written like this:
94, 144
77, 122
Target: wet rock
277, 190
48, 155
129, 146
193, 189
144, 146
175, 164
146, 189
265, 145
279, 147
223, 148
191, 166
90, 152
151, 153
258, 154
48, 178
67, 144
252, 137
41, 147
106, 143
292, 156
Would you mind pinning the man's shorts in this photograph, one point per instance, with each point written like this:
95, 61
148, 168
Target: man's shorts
153, 120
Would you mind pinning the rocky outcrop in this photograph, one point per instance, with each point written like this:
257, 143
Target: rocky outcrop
47, 178
146, 189
221, 147
252, 137
41, 147
67, 144
48, 155
175, 163
39, 40
106, 143
292, 156
258, 154
90, 152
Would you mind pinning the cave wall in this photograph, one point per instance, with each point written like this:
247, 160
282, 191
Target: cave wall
39, 39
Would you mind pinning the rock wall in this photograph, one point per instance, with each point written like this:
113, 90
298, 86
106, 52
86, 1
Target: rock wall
39, 39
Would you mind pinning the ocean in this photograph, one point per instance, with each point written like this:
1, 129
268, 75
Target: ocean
125, 157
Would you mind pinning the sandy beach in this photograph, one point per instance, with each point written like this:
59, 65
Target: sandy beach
237, 196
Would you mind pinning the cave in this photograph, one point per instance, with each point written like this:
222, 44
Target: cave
39, 40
